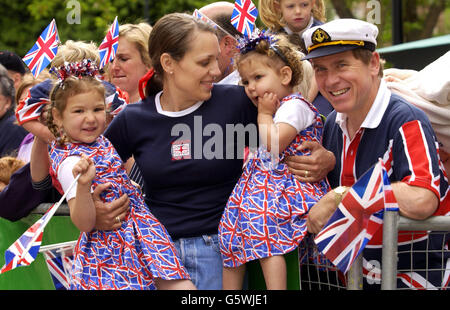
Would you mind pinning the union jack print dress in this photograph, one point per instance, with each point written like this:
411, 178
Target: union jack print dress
129, 257
266, 212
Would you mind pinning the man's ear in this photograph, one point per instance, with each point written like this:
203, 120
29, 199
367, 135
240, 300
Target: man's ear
375, 63
286, 75
228, 46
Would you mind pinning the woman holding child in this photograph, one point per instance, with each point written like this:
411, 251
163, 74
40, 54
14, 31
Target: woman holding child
186, 185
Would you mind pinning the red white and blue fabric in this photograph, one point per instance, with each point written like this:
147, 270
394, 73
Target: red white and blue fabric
25, 249
115, 99
59, 265
43, 51
357, 218
38, 96
414, 162
244, 16
108, 48
133, 255
423, 265
407, 144
266, 212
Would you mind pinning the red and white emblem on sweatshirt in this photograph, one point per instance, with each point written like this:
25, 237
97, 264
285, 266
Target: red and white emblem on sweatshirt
181, 149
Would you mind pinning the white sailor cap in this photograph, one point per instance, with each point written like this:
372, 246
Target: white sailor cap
338, 36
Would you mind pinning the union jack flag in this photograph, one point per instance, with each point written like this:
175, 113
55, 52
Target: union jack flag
204, 18
358, 217
32, 106
244, 16
59, 259
44, 50
197, 14
108, 48
25, 249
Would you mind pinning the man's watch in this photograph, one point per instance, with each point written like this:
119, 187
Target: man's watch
338, 193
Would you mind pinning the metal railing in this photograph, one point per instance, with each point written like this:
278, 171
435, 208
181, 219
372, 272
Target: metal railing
392, 224
316, 271
43, 207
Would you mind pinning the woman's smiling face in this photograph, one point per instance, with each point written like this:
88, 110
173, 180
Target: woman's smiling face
195, 73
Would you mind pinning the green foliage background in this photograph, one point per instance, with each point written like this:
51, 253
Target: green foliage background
23, 21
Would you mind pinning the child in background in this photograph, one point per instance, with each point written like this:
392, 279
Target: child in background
22, 91
292, 17
265, 216
138, 255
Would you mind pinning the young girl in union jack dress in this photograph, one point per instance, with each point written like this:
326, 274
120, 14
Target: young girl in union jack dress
138, 255
265, 216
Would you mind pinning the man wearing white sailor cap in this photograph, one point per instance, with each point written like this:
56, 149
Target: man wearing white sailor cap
371, 123
338, 36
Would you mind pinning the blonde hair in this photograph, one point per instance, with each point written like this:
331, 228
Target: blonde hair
9, 165
138, 34
74, 51
304, 85
273, 19
284, 52
62, 91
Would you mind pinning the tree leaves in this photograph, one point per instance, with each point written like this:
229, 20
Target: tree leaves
23, 21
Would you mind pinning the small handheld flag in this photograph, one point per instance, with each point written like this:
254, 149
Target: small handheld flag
244, 16
59, 259
25, 249
206, 19
44, 50
357, 218
203, 17
108, 48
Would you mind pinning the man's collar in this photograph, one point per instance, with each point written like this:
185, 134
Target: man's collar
376, 112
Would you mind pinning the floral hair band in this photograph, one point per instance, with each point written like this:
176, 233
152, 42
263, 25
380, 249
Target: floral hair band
75, 69
248, 44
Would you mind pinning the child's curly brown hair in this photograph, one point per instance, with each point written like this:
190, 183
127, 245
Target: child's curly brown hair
282, 53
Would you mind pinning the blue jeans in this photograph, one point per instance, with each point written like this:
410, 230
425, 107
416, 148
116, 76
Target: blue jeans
201, 258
